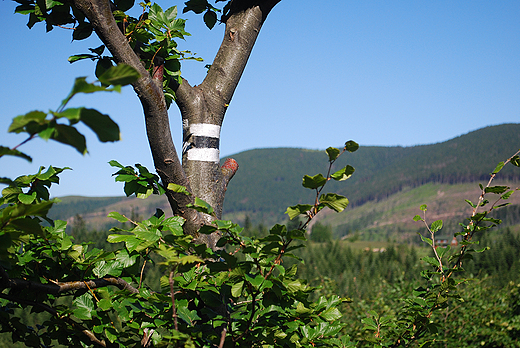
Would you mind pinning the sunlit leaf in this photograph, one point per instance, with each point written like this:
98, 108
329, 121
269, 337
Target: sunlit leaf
122, 74
313, 182
296, 210
351, 146
343, 174
334, 201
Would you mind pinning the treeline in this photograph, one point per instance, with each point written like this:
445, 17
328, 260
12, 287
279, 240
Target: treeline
378, 280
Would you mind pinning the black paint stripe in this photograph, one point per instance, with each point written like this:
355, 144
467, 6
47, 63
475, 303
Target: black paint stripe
205, 142
200, 142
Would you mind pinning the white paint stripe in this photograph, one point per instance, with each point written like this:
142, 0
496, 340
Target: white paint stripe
206, 155
205, 130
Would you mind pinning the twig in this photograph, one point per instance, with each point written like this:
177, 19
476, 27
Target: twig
172, 295
57, 288
142, 270
222, 338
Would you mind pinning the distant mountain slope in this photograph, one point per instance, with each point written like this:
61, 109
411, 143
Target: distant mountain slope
269, 180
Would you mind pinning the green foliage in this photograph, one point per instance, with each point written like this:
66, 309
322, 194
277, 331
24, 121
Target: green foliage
256, 299
240, 294
37, 123
140, 182
317, 182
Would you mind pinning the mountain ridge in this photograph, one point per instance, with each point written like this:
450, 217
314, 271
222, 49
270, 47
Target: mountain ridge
269, 180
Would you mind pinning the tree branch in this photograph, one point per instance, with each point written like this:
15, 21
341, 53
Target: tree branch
242, 28
203, 107
149, 91
60, 287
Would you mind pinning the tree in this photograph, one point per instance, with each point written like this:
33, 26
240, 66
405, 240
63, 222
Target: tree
220, 289
147, 45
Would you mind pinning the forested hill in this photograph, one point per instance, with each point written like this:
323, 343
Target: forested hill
269, 180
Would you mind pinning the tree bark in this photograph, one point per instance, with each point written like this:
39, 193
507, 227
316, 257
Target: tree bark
149, 91
202, 108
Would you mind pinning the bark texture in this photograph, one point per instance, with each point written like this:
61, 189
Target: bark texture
202, 107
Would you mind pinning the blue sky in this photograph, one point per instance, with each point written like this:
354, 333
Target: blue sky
378, 72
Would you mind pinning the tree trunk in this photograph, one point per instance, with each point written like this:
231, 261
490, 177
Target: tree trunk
202, 108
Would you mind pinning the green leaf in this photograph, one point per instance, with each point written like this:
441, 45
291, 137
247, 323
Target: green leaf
99, 50
296, 210
417, 218
256, 281
115, 163
104, 127
343, 174
111, 334
70, 136
102, 66
431, 260
172, 65
82, 86
117, 216
21, 123
13, 152
178, 188
104, 304
117, 238
124, 5
210, 18
27, 199
84, 306
498, 168
82, 31
188, 316
296, 234
334, 201
331, 314
351, 146
121, 74
436, 226
293, 285
442, 251
424, 239
236, 289
333, 153
313, 182
72, 114
515, 161
423, 207
370, 324
496, 189
473, 205
77, 57
197, 6
301, 309
201, 206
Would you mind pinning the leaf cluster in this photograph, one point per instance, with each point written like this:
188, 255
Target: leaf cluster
317, 182
46, 125
240, 294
